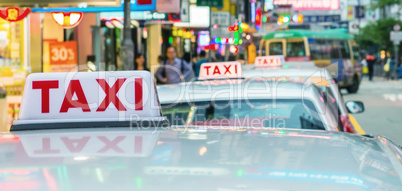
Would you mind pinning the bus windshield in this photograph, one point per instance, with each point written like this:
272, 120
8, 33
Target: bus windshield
295, 48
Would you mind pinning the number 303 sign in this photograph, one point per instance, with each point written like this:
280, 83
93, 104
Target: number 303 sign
63, 53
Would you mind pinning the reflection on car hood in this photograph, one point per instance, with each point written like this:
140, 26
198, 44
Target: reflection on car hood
183, 158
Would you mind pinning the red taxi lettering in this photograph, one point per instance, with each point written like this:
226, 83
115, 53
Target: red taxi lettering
80, 143
75, 88
138, 144
216, 71
46, 148
207, 68
45, 86
227, 69
265, 61
111, 144
138, 94
111, 96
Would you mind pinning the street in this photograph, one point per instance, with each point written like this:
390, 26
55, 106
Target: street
383, 106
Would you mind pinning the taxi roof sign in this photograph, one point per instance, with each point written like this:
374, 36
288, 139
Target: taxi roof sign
88, 99
269, 61
220, 70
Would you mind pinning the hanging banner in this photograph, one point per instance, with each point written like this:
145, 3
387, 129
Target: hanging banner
14, 14
63, 56
300, 5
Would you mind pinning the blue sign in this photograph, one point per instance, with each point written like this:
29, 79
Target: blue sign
321, 18
134, 7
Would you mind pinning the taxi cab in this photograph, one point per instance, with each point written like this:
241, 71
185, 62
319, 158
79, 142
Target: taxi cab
104, 131
272, 67
223, 98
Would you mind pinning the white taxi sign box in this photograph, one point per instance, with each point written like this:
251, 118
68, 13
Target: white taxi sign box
89, 143
220, 70
269, 61
88, 99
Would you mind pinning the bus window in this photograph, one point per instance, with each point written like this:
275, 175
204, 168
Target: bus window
335, 49
345, 52
295, 49
319, 49
276, 48
356, 55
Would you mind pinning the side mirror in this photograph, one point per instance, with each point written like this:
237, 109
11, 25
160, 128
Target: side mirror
355, 107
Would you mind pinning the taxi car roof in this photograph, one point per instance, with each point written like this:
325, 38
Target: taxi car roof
184, 158
201, 90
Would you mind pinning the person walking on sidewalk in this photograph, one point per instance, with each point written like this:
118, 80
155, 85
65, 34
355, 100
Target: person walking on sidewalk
173, 70
370, 63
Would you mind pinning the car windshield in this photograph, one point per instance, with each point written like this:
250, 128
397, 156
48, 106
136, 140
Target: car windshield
294, 114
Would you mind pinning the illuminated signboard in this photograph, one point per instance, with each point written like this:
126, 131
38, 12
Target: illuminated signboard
63, 2
310, 4
118, 8
14, 14
67, 19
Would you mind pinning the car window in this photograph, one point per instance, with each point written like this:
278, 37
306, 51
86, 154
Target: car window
295, 114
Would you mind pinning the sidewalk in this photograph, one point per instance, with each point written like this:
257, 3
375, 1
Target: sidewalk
381, 83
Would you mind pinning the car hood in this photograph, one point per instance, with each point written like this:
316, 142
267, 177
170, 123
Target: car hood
196, 158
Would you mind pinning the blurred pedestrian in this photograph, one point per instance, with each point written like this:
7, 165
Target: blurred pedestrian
389, 67
160, 59
364, 67
240, 58
173, 70
218, 57
370, 63
140, 62
203, 59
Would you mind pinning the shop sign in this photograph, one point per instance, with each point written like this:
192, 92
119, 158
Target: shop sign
184, 12
300, 5
321, 18
221, 18
67, 19
210, 3
63, 56
182, 33
14, 14
155, 16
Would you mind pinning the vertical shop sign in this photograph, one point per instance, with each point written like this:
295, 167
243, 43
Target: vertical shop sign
184, 12
63, 56
350, 13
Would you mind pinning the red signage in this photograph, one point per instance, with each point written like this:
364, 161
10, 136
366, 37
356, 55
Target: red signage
144, 2
14, 14
63, 56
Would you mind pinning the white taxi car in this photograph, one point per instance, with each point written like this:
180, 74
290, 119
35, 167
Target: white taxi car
269, 67
223, 98
104, 131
